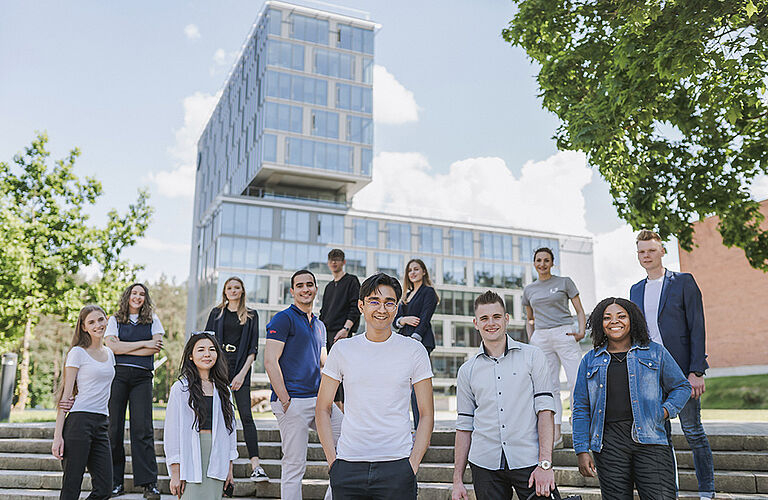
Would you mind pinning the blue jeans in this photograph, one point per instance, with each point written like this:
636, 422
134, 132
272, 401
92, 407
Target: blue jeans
690, 421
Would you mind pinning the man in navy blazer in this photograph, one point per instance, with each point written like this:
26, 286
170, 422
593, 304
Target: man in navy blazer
675, 315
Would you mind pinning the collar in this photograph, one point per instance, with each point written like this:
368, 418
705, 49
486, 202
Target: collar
300, 312
511, 344
604, 348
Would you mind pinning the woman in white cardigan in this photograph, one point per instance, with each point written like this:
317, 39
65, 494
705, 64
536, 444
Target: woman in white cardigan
200, 431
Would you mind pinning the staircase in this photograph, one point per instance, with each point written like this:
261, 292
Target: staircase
29, 471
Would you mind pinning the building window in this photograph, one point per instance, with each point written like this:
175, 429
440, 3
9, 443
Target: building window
314, 154
365, 233
367, 70
295, 225
437, 329
509, 303
455, 303
360, 129
430, 239
297, 88
455, 271
498, 275
389, 263
398, 236
334, 64
366, 161
529, 245
325, 124
461, 242
496, 246
259, 222
330, 229
269, 147
283, 117
356, 262
430, 263
354, 98
465, 335
447, 365
357, 39
256, 288
274, 22
309, 29
285, 55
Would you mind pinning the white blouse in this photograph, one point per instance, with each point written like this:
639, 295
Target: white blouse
182, 440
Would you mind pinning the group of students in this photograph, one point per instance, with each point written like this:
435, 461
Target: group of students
355, 391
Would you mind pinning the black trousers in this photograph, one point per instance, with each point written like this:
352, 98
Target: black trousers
415, 404
390, 480
86, 444
498, 484
624, 464
132, 388
243, 402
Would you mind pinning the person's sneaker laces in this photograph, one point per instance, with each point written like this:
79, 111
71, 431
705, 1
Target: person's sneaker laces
259, 476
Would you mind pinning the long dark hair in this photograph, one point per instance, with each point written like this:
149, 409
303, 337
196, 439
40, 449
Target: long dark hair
145, 311
638, 330
80, 338
219, 377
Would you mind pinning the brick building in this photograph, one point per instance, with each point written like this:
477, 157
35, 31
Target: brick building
735, 297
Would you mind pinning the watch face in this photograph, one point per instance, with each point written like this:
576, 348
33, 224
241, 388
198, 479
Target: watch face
545, 464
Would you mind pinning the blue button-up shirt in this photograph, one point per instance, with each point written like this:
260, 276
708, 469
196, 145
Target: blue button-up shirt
498, 400
655, 382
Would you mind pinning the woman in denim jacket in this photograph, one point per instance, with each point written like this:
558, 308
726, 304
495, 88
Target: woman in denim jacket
626, 388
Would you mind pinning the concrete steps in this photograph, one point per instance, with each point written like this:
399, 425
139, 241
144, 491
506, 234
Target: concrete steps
29, 471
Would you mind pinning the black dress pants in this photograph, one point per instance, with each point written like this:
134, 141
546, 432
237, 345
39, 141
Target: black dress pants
132, 388
390, 480
624, 464
243, 402
86, 444
498, 484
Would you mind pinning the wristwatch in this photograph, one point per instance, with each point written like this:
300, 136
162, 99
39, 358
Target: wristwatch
698, 374
545, 464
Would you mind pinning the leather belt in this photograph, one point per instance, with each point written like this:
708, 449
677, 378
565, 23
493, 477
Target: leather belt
230, 348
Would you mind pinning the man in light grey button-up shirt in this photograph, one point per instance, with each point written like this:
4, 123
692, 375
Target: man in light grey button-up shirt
505, 424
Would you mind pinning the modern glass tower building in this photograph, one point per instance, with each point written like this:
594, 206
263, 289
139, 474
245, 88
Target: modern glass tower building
286, 149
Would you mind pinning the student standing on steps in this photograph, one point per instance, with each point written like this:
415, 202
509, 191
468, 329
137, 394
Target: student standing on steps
550, 326
83, 438
293, 357
339, 313
505, 422
200, 433
135, 335
376, 458
237, 331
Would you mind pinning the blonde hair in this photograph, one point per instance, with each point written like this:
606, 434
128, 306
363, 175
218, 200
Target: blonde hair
648, 235
80, 338
242, 311
408, 284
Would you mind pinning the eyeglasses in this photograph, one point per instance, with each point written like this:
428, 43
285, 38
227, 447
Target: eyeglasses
388, 305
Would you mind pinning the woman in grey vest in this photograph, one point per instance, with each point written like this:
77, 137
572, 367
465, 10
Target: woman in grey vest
550, 325
135, 335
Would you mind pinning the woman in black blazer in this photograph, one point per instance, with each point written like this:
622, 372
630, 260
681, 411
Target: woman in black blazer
414, 315
237, 331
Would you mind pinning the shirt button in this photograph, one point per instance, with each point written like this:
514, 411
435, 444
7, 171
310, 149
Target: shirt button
605, 361
504, 442
503, 426
499, 378
601, 385
599, 411
502, 409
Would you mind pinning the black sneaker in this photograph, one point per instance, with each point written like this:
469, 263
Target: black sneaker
151, 492
259, 476
118, 490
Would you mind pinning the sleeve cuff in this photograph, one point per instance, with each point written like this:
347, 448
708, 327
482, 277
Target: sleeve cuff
416, 336
465, 422
673, 412
543, 401
332, 374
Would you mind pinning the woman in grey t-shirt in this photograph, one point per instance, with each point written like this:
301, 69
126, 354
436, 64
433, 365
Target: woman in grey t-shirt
550, 325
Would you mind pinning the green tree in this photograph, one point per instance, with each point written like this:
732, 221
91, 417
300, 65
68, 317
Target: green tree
667, 98
50, 240
171, 307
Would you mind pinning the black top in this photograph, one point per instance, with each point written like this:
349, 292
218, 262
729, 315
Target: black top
618, 406
207, 423
248, 342
421, 304
135, 332
232, 328
339, 305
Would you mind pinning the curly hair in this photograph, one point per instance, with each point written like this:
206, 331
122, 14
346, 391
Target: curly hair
219, 376
638, 330
145, 311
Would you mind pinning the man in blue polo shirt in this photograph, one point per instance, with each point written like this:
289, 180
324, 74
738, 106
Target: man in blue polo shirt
293, 357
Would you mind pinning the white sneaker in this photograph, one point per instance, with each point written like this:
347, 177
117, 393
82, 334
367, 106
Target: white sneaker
259, 476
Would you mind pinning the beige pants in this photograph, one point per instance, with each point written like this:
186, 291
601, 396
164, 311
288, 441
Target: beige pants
294, 427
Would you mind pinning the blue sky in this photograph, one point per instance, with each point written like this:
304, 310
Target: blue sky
130, 84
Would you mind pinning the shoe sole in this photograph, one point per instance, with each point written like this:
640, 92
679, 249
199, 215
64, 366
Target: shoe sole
260, 479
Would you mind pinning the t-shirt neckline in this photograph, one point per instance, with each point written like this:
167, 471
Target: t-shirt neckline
392, 334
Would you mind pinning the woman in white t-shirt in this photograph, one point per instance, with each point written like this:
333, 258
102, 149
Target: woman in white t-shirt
200, 437
82, 438
550, 325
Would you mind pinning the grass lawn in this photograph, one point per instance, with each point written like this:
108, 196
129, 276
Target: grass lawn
747, 392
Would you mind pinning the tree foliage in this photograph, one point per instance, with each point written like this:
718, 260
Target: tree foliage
47, 240
667, 98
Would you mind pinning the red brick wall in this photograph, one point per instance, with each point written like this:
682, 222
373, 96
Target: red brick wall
735, 298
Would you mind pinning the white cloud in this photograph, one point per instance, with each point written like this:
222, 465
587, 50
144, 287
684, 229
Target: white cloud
191, 31
180, 180
222, 60
392, 102
156, 245
546, 196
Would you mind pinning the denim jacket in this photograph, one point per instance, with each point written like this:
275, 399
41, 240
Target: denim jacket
655, 382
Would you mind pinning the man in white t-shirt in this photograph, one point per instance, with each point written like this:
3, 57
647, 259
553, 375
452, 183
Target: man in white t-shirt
376, 456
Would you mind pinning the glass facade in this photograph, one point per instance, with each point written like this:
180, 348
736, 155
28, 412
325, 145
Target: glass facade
287, 147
